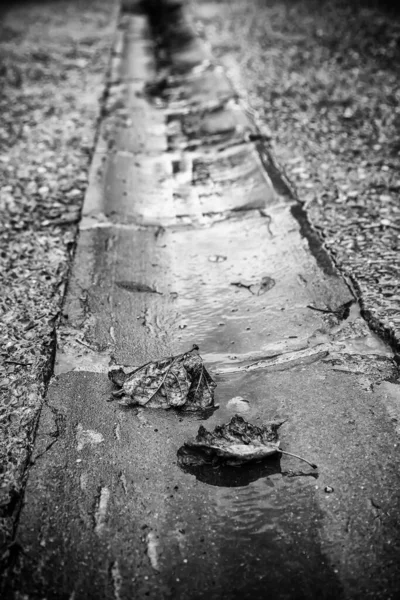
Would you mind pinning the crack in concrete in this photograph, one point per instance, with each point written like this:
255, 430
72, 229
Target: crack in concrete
263, 213
182, 221
321, 255
60, 428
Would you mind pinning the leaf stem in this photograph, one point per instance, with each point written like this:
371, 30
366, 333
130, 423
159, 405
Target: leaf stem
313, 465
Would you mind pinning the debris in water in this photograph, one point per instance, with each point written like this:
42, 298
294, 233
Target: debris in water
257, 289
236, 443
217, 258
174, 382
342, 312
135, 286
266, 284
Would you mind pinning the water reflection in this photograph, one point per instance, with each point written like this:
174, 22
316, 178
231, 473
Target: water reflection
220, 474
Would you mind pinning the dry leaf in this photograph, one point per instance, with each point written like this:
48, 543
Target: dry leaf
178, 381
235, 443
257, 289
238, 441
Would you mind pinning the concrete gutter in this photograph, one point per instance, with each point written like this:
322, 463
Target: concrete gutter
185, 199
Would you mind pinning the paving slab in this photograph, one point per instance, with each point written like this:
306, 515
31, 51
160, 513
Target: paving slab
205, 288
204, 89
110, 495
223, 126
158, 190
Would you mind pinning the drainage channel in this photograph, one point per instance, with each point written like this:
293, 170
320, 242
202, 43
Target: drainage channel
186, 239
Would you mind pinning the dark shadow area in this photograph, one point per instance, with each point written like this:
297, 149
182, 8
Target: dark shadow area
384, 5
388, 6
314, 241
214, 472
217, 473
9, 4
171, 32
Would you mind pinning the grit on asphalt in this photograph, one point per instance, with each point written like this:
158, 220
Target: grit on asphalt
323, 77
54, 59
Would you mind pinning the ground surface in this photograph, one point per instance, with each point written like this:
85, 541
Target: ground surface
189, 235
323, 77
54, 58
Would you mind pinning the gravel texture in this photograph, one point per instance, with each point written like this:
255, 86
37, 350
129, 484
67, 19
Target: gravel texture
323, 76
54, 60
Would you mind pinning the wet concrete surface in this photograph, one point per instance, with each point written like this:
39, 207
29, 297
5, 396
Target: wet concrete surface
295, 63
205, 249
109, 494
277, 528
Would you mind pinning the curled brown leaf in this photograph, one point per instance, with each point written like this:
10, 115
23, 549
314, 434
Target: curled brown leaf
173, 382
